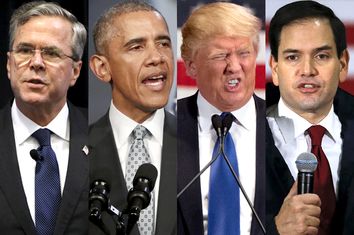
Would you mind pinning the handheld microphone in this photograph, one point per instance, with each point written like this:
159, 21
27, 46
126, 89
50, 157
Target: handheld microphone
35, 155
226, 124
306, 163
217, 124
140, 195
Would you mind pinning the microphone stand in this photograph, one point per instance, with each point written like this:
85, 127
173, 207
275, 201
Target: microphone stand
239, 184
201, 172
216, 121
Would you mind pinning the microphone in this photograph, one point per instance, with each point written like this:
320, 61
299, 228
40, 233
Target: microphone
35, 155
140, 195
226, 124
306, 163
217, 124
98, 200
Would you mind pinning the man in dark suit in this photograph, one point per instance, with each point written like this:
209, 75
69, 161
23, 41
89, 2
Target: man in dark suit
220, 46
309, 58
133, 54
44, 60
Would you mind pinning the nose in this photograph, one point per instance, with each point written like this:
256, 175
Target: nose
233, 64
155, 56
36, 62
308, 68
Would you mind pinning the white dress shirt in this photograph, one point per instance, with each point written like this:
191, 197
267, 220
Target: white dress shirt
23, 129
122, 128
292, 140
243, 132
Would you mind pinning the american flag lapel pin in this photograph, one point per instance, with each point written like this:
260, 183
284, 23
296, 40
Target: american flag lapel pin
85, 149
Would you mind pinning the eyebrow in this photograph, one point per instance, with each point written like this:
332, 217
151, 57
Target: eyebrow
25, 44
316, 50
142, 40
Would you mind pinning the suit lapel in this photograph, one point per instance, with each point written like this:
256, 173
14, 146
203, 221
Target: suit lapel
167, 208
189, 204
104, 161
259, 202
10, 178
77, 173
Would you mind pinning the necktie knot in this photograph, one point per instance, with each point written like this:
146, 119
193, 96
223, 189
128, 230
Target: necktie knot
42, 136
224, 114
316, 133
139, 132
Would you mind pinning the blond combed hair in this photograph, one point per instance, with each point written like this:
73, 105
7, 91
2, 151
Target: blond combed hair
218, 19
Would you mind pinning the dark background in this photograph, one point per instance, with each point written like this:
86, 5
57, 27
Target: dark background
77, 94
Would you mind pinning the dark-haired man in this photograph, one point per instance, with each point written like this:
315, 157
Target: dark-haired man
134, 55
309, 58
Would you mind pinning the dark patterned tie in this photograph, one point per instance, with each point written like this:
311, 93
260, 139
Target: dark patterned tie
138, 155
47, 185
224, 196
323, 184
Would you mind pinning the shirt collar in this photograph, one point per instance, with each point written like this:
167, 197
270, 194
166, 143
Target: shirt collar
301, 124
24, 127
245, 116
123, 126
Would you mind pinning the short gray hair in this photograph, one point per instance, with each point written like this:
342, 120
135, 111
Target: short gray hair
103, 30
40, 8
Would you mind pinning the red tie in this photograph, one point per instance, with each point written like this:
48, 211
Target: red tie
323, 184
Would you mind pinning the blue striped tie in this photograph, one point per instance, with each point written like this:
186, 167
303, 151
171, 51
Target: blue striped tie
47, 185
224, 196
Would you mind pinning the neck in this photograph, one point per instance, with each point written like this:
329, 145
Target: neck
41, 114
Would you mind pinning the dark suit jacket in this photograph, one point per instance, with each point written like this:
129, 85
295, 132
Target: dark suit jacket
15, 218
105, 162
279, 179
190, 215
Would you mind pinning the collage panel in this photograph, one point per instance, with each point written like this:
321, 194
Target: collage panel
176, 117
220, 119
132, 134
310, 110
43, 118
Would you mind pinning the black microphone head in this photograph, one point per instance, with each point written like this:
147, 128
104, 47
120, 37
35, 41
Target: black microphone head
146, 171
217, 123
227, 122
99, 190
306, 162
35, 155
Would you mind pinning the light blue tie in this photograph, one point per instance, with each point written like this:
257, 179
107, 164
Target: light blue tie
47, 185
224, 196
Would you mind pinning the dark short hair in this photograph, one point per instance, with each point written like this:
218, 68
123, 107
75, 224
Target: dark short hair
104, 29
302, 10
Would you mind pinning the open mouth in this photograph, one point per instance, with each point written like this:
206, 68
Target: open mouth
155, 80
35, 81
233, 82
308, 87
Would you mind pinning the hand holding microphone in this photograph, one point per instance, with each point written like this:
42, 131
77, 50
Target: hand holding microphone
301, 209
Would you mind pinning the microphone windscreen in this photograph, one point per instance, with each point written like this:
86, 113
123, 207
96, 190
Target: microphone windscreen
216, 121
227, 122
306, 162
35, 155
146, 171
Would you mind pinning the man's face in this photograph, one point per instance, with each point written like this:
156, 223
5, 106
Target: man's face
224, 68
308, 69
140, 60
34, 79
